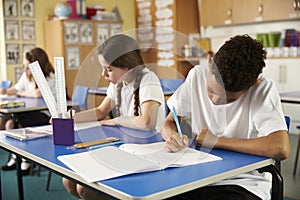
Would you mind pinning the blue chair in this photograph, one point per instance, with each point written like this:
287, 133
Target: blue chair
170, 85
80, 96
297, 153
6, 84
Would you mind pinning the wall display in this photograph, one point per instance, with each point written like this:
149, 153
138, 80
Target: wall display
28, 30
73, 57
27, 8
12, 53
11, 30
18, 72
102, 33
86, 33
115, 29
71, 32
27, 47
10, 8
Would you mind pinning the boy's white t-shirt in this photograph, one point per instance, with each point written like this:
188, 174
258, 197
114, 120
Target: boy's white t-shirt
150, 89
256, 113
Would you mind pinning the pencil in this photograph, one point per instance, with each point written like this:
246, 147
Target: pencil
176, 121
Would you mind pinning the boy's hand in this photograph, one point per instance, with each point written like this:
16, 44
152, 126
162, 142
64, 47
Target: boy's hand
176, 142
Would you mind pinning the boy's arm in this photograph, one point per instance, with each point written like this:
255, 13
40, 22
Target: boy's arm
174, 141
275, 145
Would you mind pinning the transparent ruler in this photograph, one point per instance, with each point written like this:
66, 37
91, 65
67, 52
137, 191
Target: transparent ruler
44, 88
60, 86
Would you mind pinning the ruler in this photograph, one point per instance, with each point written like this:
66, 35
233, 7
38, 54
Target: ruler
44, 88
60, 85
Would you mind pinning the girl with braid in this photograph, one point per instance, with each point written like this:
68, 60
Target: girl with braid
134, 93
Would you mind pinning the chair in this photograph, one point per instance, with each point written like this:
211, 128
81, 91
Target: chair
170, 85
6, 84
80, 96
277, 180
297, 153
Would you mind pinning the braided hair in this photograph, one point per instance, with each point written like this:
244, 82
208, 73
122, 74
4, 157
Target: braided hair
123, 52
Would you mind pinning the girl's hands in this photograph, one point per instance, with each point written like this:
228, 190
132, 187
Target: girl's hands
108, 122
2, 91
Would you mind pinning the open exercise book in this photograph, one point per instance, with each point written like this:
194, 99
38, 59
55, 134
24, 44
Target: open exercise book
110, 162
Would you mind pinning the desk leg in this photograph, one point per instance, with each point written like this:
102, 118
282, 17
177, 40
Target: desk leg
277, 181
20, 179
0, 186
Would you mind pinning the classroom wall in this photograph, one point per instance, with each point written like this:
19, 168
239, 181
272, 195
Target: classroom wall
43, 9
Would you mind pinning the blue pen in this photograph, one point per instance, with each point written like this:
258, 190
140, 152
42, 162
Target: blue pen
176, 121
105, 144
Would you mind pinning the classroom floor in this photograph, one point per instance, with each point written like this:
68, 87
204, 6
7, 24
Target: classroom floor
35, 187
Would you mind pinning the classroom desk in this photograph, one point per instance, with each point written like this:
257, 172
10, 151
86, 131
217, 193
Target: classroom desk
31, 104
102, 91
169, 86
290, 97
150, 185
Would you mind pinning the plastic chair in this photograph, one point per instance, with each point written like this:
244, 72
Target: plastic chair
80, 96
170, 85
297, 153
277, 179
6, 84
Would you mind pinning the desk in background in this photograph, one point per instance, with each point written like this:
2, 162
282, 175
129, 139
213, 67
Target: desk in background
290, 97
169, 86
173, 181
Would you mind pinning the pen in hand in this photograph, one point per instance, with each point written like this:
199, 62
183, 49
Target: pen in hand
176, 121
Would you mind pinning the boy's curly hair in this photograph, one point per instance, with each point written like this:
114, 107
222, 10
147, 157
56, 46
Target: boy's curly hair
238, 63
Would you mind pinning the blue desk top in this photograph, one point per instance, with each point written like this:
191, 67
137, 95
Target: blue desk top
290, 97
157, 184
31, 104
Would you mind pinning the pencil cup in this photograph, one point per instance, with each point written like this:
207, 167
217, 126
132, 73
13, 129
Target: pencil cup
63, 131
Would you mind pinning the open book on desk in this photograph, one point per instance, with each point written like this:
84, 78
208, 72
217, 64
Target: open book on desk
110, 162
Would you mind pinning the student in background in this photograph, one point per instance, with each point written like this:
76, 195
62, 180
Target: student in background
231, 108
27, 87
134, 92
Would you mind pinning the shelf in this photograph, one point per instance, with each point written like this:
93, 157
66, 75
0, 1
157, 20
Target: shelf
284, 57
189, 59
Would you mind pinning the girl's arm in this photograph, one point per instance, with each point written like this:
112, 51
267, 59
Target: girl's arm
274, 145
146, 121
10, 91
95, 114
32, 93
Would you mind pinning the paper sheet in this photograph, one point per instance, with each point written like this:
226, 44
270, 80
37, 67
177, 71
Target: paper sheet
110, 162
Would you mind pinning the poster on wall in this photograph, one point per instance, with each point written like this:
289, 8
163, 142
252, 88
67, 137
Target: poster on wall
86, 33
18, 72
102, 33
27, 8
27, 47
11, 30
28, 30
73, 57
12, 53
71, 32
10, 8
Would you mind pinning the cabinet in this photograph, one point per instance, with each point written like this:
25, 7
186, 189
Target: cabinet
215, 12
75, 40
164, 26
224, 12
283, 71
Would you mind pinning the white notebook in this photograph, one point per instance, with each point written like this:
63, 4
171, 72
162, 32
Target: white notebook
28, 133
110, 162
